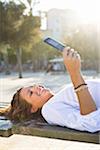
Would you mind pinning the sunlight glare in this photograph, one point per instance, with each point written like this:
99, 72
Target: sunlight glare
88, 10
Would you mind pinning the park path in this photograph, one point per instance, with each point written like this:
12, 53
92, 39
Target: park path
23, 142
10, 83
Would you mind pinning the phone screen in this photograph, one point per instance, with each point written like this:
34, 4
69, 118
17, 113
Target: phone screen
55, 44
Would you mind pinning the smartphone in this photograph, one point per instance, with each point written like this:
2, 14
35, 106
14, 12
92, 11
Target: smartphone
54, 43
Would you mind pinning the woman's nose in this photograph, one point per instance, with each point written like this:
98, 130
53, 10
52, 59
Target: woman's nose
37, 88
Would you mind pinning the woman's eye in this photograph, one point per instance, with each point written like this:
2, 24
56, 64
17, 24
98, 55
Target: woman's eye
31, 93
41, 86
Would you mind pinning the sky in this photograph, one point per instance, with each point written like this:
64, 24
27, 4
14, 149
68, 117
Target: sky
72, 4
63, 4
88, 9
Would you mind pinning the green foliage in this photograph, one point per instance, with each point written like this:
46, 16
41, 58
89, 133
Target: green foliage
85, 41
9, 15
40, 54
22, 31
16, 28
11, 56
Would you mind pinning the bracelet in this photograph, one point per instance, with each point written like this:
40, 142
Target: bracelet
81, 88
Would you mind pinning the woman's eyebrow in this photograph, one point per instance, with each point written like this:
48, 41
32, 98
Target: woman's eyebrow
28, 90
31, 86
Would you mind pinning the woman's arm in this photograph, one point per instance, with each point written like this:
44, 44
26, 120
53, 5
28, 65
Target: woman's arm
72, 63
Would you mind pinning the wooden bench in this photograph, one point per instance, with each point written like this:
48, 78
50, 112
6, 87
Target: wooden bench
36, 127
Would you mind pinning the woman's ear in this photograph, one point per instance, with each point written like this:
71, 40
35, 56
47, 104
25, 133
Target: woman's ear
33, 110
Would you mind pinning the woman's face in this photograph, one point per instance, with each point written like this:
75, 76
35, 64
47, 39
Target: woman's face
36, 95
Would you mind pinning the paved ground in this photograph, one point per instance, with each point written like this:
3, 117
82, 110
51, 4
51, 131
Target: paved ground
8, 85
22, 142
55, 81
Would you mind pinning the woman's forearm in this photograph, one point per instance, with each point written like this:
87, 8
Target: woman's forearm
72, 63
86, 102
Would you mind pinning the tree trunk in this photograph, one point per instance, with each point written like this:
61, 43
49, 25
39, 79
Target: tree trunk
19, 61
7, 71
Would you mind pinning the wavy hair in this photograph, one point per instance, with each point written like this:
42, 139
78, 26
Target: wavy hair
19, 109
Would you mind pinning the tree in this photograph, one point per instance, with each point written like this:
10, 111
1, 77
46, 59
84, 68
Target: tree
20, 29
41, 54
85, 41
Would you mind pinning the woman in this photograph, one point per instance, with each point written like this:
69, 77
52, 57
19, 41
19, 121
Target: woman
76, 107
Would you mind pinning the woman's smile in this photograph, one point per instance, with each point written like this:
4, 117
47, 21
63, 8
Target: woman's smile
36, 95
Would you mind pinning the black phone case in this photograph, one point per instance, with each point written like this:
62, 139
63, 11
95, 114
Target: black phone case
54, 43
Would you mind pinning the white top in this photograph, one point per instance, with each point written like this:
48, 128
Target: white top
63, 109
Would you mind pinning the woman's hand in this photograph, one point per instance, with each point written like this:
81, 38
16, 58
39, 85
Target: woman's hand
72, 61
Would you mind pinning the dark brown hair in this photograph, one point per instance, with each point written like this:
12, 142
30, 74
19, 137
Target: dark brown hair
19, 109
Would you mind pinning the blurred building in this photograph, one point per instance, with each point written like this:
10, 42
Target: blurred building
61, 23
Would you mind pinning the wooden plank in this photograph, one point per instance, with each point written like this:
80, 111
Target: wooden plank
36, 128
43, 129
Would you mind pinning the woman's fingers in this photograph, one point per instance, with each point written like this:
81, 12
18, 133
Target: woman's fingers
71, 60
67, 50
76, 55
71, 53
